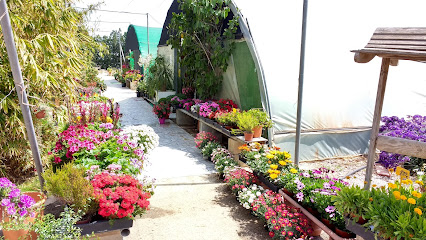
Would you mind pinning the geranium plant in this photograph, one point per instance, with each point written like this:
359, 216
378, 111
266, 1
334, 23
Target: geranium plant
119, 196
162, 110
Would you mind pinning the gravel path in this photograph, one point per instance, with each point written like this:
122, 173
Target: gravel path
189, 201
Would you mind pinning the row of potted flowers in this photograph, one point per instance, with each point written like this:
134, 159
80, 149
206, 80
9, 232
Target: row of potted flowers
224, 111
333, 199
104, 164
282, 220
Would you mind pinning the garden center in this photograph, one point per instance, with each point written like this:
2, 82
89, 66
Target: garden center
212, 119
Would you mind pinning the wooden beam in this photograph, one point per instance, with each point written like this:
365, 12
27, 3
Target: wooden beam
402, 146
363, 57
376, 119
394, 62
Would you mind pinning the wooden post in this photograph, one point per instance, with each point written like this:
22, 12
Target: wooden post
376, 120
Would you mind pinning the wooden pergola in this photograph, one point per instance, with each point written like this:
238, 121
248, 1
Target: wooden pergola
392, 45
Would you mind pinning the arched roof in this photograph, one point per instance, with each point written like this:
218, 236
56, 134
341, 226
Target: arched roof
137, 39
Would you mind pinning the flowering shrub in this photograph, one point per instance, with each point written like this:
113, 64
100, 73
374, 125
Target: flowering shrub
208, 109
395, 211
98, 145
227, 105
208, 149
202, 138
224, 164
188, 91
144, 135
162, 110
283, 221
220, 153
414, 128
239, 178
17, 205
119, 196
134, 75
247, 196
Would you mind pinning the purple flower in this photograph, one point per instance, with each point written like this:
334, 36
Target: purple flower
132, 144
11, 209
299, 196
305, 174
27, 201
5, 202
332, 183
330, 209
326, 185
14, 193
312, 200
335, 188
6, 183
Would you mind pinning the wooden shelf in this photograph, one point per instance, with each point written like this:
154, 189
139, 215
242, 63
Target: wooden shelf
402, 146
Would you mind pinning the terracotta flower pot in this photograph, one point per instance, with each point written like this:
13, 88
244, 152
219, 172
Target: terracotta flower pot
248, 136
344, 234
328, 224
23, 234
41, 114
257, 132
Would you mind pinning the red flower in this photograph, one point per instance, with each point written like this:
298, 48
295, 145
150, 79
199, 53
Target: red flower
271, 234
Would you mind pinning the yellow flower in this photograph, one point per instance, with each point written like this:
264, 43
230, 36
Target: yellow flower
273, 152
405, 182
273, 175
95, 95
78, 118
293, 170
287, 155
234, 110
392, 185
418, 211
416, 194
403, 197
374, 185
419, 182
289, 161
270, 171
411, 201
276, 171
109, 120
273, 166
397, 195
270, 156
282, 163
409, 181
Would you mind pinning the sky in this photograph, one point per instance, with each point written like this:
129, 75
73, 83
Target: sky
104, 22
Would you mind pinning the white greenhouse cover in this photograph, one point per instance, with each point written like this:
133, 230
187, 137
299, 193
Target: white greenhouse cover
338, 93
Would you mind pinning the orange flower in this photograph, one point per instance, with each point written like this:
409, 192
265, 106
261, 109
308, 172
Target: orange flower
405, 198
418, 211
411, 201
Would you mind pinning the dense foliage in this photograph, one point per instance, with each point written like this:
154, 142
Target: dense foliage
202, 35
53, 46
110, 57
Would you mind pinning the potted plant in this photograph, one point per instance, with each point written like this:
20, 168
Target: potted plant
18, 210
49, 227
78, 195
263, 119
140, 88
162, 110
353, 202
246, 122
160, 78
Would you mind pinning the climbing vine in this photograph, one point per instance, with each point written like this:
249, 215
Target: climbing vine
203, 33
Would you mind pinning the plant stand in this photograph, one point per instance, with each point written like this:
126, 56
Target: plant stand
104, 230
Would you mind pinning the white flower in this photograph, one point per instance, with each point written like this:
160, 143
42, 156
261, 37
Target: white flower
258, 194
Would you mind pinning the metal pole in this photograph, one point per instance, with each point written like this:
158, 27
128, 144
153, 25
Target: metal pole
20, 88
301, 76
147, 30
119, 49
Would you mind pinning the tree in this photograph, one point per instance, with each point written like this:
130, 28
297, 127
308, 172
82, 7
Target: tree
203, 36
53, 46
110, 57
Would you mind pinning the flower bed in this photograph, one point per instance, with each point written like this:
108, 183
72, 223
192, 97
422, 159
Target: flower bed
102, 162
